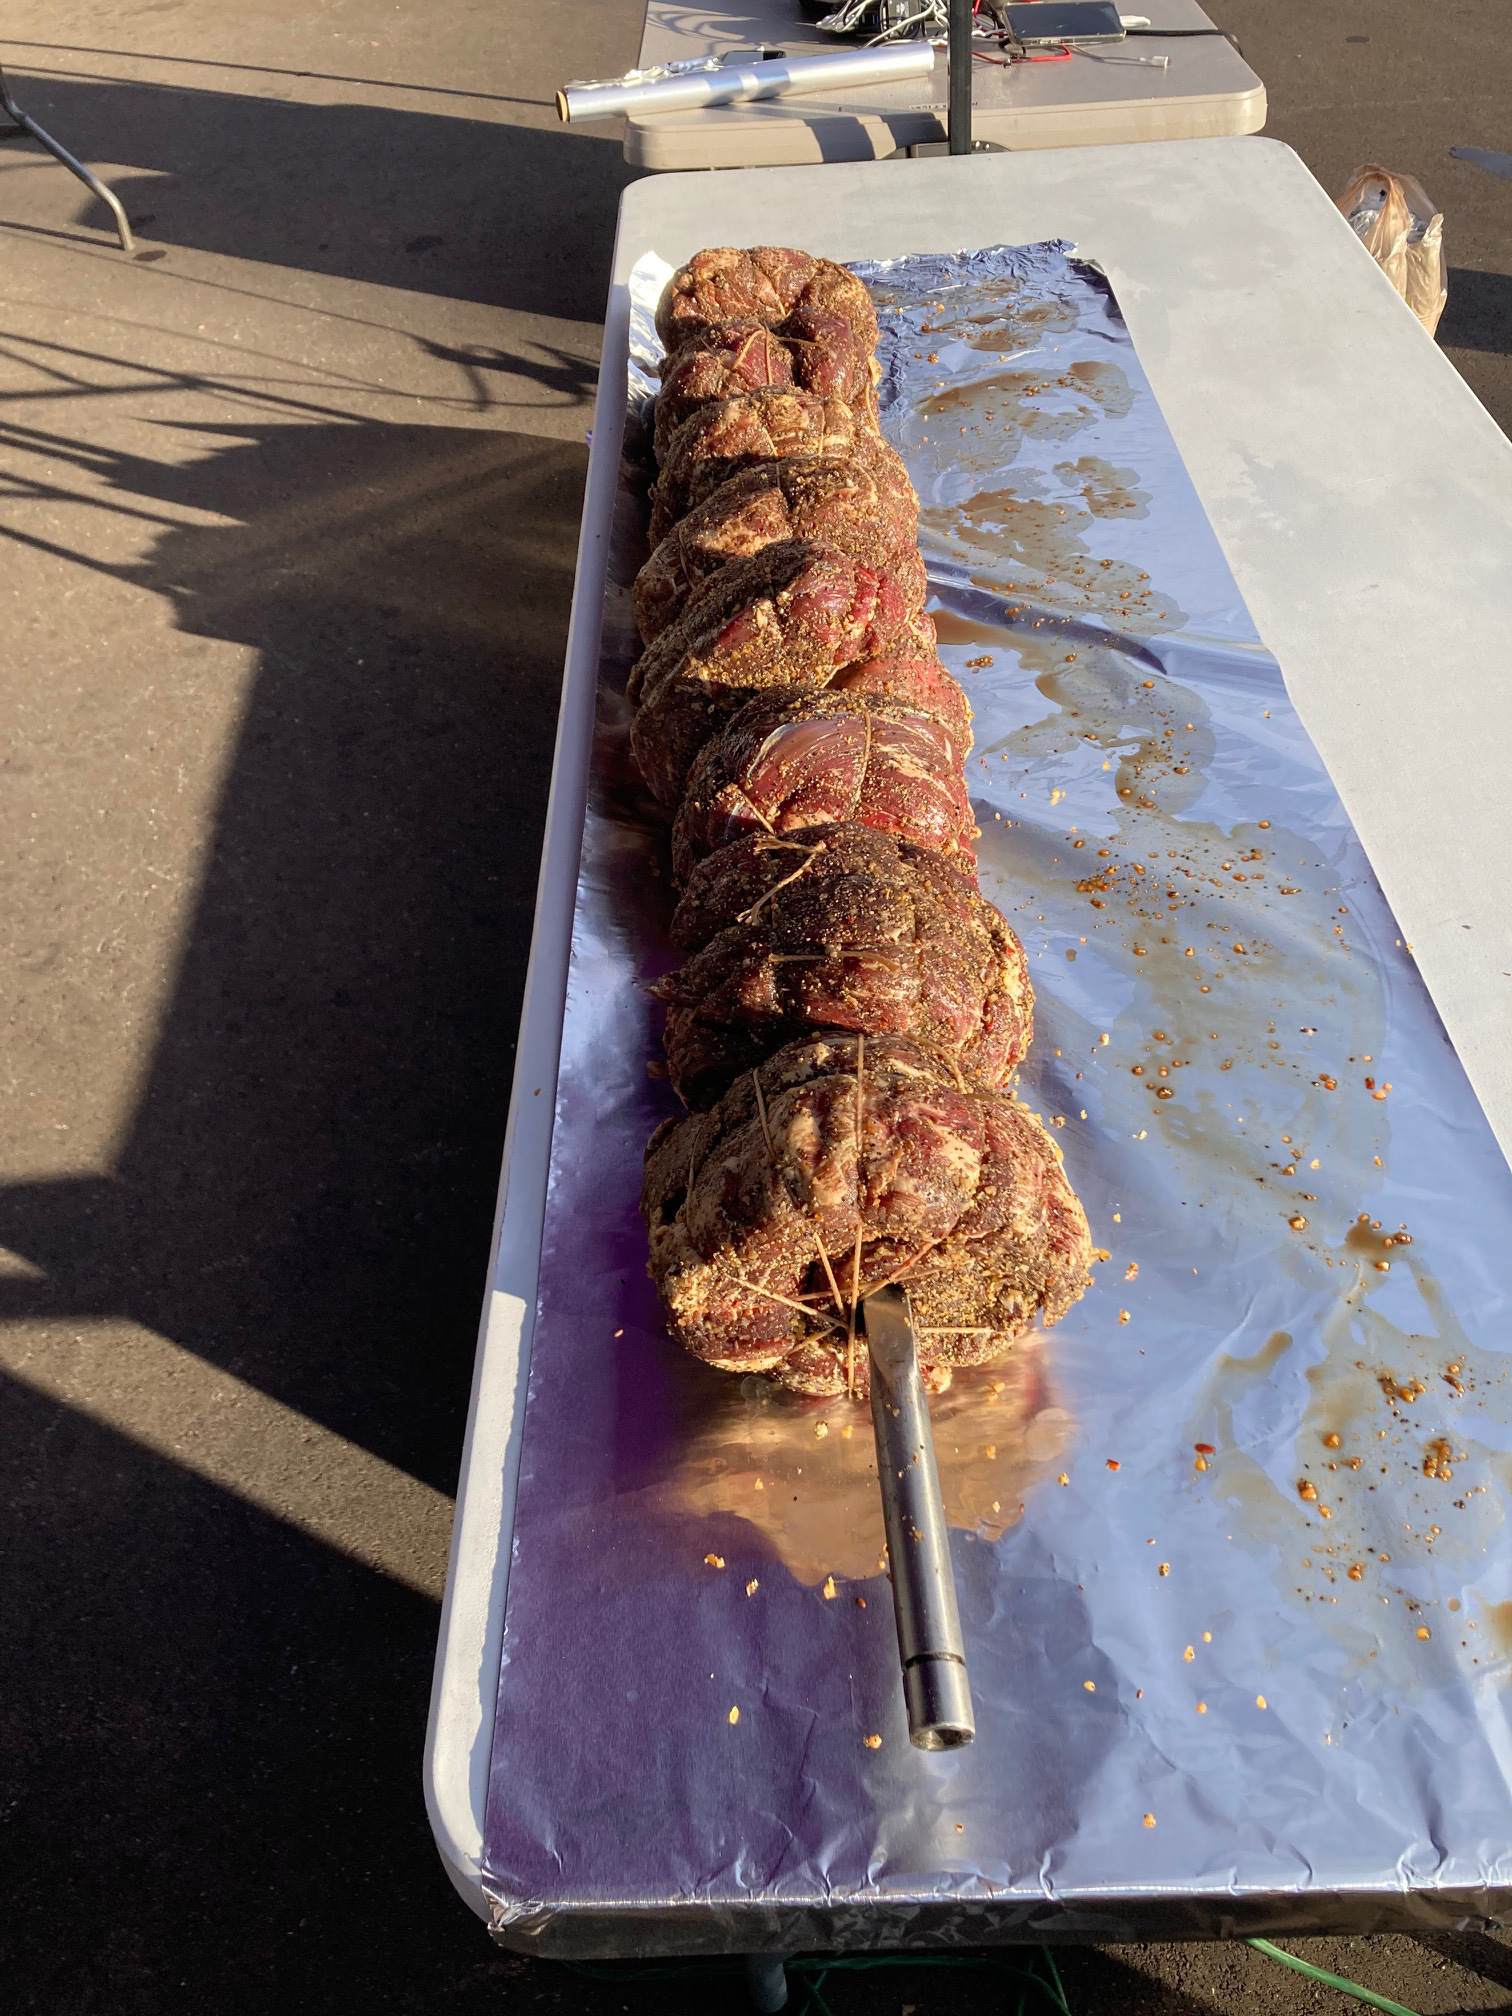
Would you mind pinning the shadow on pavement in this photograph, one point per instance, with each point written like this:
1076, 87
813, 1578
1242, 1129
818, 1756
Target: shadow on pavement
211, 1747
210, 1752
54, 50
1478, 313
1477, 1952
306, 1193
212, 1799
516, 217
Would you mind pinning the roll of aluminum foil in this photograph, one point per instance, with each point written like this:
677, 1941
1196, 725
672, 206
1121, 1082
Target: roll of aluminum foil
1231, 1546
768, 77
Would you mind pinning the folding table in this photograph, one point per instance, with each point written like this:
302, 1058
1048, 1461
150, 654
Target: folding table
1095, 98
1363, 499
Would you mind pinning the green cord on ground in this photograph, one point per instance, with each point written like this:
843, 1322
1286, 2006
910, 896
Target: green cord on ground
814, 1972
816, 2001
1330, 1980
1060, 1990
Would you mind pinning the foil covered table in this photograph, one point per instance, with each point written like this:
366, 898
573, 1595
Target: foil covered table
1230, 1544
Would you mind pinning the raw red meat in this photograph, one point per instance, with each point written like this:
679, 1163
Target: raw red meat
841, 1164
837, 503
763, 284
916, 680
717, 441
832, 357
726, 360
792, 761
793, 614
791, 694
848, 928
817, 352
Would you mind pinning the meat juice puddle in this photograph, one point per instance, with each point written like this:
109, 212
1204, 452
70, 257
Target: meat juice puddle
1285, 1166
1184, 1010
805, 1471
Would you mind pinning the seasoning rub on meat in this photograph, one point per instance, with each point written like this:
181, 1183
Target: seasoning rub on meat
850, 1011
838, 1165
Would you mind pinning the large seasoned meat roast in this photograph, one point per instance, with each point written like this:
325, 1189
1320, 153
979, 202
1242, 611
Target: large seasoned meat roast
717, 441
765, 283
914, 679
817, 352
791, 761
846, 928
839, 1165
850, 1010
793, 614
840, 504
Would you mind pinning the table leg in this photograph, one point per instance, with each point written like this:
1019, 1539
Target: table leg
766, 1983
61, 154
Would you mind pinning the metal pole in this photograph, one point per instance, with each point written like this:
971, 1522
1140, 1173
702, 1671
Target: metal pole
106, 195
935, 1687
960, 76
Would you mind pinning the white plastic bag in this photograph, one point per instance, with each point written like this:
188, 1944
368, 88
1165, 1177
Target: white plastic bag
1394, 218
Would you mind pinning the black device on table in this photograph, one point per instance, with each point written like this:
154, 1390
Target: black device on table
1040, 22
1025, 24
890, 18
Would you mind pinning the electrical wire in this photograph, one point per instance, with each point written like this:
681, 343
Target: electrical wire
927, 13
1049, 1959
815, 2004
814, 1973
1013, 62
1345, 1987
1186, 35
849, 14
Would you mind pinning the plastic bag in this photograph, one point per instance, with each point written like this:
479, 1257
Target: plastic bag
1396, 222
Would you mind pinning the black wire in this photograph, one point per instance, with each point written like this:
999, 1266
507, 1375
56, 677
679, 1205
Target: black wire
1172, 34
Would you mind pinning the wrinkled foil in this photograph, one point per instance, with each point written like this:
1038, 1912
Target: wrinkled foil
1234, 1572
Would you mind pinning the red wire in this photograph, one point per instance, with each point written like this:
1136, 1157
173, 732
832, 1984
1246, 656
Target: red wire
1011, 62
1004, 62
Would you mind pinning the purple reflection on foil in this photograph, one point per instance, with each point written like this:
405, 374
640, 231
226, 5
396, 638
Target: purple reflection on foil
678, 1532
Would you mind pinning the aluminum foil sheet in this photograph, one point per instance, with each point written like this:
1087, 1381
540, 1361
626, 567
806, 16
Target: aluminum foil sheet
1234, 1569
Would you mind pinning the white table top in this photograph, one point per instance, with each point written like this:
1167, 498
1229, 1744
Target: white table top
1098, 98
1369, 533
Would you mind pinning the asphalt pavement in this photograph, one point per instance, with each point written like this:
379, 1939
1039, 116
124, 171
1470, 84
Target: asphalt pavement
288, 506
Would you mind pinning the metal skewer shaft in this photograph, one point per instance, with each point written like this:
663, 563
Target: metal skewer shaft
933, 1652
